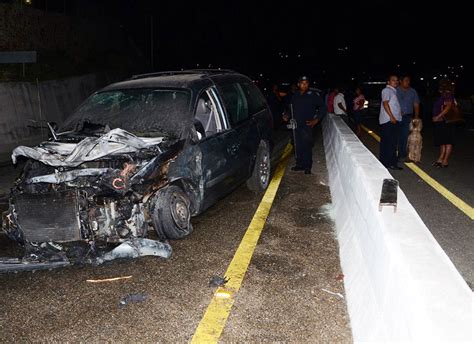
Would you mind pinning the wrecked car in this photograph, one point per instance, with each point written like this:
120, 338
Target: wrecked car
141, 155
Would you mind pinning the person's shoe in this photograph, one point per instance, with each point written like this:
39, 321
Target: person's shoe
297, 168
395, 167
436, 164
307, 171
443, 166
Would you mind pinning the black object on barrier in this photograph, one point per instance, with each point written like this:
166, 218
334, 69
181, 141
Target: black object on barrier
388, 195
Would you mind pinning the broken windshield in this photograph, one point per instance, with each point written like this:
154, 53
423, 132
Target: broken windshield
139, 111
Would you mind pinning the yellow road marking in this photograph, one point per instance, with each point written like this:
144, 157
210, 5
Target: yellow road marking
371, 133
210, 328
459, 203
455, 200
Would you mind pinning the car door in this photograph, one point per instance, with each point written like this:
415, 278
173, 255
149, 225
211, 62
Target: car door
245, 132
216, 146
261, 125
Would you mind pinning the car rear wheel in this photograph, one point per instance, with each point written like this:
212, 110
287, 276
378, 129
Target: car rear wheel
261, 171
171, 213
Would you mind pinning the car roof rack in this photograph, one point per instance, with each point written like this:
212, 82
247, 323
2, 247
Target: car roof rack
181, 72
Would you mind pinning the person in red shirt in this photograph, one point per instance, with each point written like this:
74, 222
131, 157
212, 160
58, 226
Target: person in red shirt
330, 100
358, 106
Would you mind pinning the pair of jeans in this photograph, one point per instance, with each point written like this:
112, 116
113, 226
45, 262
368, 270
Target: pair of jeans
403, 135
357, 117
388, 144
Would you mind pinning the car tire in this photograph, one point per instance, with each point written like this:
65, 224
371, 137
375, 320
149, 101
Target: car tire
260, 177
171, 213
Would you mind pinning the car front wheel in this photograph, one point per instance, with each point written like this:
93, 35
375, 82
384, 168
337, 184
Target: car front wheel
171, 213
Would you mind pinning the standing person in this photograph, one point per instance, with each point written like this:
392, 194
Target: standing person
443, 132
308, 109
330, 100
358, 106
389, 117
287, 98
410, 104
286, 102
340, 107
275, 102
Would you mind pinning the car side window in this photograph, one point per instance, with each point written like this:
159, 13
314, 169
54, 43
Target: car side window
235, 102
209, 118
254, 97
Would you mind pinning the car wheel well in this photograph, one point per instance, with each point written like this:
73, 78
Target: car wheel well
171, 213
191, 191
261, 170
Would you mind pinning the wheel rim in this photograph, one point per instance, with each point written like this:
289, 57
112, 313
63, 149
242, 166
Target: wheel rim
264, 169
180, 212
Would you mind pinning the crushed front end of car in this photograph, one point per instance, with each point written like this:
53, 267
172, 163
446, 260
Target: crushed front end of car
74, 199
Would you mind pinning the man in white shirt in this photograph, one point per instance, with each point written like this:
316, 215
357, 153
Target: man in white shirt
389, 119
340, 107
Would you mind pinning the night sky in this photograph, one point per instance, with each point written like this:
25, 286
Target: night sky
326, 40
339, 39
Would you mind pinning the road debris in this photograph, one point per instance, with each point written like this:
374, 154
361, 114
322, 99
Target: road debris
333, 293
135, 248
135, 298
108, 279
218, 281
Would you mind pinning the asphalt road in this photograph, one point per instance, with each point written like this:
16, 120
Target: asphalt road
453, 229
281, 298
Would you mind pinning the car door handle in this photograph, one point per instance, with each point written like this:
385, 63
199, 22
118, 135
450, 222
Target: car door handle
232, 150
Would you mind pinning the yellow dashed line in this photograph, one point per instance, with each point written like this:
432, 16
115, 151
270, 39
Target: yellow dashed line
210, 328
371, 133
455, 200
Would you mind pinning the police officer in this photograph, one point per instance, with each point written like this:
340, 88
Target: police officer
308, 109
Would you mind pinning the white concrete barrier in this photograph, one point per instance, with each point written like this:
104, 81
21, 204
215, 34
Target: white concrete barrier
400, 284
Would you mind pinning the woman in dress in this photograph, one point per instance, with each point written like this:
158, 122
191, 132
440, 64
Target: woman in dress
443, 132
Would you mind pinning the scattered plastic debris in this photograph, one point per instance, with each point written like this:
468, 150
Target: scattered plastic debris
135, 298
327, 211
333, 293
218, 281
108, 279
223, 294
137, 247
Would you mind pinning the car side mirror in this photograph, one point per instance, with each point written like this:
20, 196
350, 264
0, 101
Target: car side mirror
195, 136
199, 130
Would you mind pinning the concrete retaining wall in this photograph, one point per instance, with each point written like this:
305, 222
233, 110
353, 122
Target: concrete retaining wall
19, 102
400, 284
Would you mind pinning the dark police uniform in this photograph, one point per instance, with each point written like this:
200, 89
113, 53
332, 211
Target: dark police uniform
306, 106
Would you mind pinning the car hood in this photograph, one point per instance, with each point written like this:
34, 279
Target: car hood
116, 141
